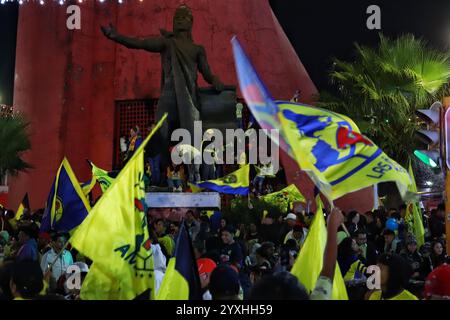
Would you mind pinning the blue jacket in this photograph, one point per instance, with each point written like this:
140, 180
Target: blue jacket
28, 251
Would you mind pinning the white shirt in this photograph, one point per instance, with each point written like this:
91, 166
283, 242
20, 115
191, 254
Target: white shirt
60, 266
188, 153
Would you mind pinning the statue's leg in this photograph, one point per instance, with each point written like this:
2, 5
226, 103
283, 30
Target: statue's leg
167, 103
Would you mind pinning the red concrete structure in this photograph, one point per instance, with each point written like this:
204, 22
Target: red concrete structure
67, 81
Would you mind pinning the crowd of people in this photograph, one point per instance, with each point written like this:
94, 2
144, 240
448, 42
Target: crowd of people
238, 261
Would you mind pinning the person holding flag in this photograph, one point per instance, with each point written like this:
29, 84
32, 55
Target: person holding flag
315, 266
57, 258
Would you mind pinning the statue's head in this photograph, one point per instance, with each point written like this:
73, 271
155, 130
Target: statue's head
183, 19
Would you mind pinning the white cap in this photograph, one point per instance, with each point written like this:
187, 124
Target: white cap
82, 266
291, 216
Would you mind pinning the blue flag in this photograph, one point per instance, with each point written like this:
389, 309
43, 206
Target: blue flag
67, 206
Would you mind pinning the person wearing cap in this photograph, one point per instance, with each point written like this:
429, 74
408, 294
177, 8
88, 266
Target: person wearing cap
205, 268
56, 260
413, 257
298, 234
437, 284
44, 242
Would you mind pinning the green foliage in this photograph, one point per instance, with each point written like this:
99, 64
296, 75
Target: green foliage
381, 89
239, 211
14, 141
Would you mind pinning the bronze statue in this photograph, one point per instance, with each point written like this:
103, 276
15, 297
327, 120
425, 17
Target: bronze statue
181, 60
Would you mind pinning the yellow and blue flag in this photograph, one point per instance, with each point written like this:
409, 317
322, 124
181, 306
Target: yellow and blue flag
327, 145
115, 237
66, 206
181, 281
413, 216
236, 182
309, 263
25, 204
194, 188
102, 176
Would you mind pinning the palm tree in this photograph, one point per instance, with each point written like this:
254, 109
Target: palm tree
14, 141
381, 89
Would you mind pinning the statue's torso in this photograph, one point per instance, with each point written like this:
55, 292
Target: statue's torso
189, 52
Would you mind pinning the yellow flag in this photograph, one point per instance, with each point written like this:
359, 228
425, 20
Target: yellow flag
194, 188
88, 186
309, 262
285, 196
115, 237
102, 177
413, 216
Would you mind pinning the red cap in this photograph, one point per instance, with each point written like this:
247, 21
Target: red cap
438, 282
45, 235
205, 265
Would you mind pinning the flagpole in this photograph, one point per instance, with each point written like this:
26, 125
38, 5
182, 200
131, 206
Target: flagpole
58, 255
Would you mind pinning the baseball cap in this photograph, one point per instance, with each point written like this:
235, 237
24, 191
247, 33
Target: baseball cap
291, 216
438, 282
83, 267
205, 265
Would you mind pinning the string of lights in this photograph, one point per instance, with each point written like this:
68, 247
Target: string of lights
61, 2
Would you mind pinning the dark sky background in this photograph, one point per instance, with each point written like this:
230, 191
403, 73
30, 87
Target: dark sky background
318, 29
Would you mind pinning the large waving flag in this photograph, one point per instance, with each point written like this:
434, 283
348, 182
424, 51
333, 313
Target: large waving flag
115, 237
308, 265
334, 153
285, 196
181, 281
236, 182
327, 145
413, 216
25, 204
66, 206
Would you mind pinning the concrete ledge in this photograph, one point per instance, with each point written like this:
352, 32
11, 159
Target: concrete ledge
183, 200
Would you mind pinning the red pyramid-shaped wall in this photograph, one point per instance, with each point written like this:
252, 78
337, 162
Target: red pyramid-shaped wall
68, 80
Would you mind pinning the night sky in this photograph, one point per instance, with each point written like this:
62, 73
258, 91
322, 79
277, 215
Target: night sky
319, 30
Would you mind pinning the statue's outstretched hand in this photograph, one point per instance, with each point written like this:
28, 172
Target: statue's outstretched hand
217, 84
110, 31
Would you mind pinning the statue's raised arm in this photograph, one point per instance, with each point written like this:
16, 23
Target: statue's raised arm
153, 44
